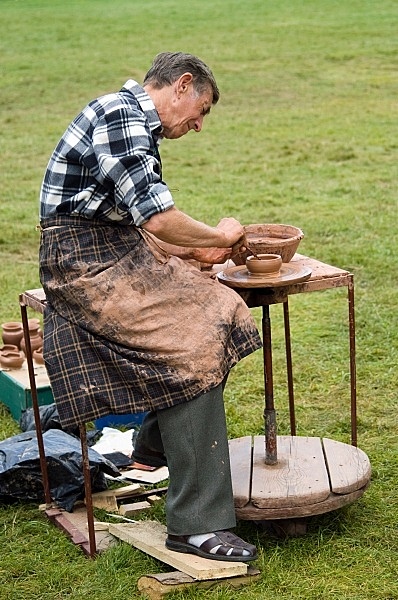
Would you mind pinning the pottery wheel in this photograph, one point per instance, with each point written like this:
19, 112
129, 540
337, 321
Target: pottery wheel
312, 476
240, 277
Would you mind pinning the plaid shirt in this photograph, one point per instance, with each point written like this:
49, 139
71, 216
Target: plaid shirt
107, 165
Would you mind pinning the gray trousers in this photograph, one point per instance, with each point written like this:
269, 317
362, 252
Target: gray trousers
192, 438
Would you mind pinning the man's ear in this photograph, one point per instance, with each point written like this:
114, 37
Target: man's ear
183, 83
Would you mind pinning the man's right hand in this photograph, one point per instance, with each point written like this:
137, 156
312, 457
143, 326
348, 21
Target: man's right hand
234, 233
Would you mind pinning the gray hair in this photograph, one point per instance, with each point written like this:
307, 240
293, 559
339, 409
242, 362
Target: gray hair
167, 67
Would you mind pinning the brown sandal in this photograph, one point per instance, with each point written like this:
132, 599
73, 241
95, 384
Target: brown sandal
228, 547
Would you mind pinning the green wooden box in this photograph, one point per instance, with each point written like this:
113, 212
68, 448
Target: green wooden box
15, 390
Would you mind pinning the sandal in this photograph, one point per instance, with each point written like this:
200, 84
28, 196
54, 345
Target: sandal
224, 545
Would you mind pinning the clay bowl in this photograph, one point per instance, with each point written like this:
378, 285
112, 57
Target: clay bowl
264, 265
9, 348
270, 239
11, 359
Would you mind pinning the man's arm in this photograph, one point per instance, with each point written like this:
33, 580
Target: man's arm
179, 229
182, 236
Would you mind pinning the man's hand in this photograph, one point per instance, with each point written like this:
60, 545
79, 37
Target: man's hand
234, 233
212, 256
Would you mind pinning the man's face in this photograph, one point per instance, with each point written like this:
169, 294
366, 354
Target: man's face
186, 112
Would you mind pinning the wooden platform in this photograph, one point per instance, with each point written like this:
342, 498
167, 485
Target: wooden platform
157, 586
312, 476
150, 537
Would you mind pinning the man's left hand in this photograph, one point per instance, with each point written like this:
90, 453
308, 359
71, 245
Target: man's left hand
212, 256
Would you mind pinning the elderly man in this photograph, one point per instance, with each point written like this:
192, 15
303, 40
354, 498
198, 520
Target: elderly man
131, 324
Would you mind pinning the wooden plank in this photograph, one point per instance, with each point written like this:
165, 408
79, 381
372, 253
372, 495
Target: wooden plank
35, 299
128, 490
300, 476
150, 537
108, 498
100, 526
154, 499
156, 586
320, 270
129, 510
146, 493
107, 502
349, 467
240, 450
160, 474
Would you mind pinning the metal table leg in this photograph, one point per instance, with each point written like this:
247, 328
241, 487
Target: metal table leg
269, 411
36, 305
87, 490
289, 367
35, 404
353, 377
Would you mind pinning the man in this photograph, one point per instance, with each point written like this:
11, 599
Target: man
130, 325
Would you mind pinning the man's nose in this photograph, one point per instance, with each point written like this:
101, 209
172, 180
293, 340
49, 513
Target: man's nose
198, 124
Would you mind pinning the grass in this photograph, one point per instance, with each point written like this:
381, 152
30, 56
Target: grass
305, 133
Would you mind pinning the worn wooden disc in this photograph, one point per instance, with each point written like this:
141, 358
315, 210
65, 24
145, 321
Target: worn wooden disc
240, 277
312, 476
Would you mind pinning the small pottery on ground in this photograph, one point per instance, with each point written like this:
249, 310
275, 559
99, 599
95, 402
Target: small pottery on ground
264, 265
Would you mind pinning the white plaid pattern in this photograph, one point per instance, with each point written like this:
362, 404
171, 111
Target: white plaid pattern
107, 164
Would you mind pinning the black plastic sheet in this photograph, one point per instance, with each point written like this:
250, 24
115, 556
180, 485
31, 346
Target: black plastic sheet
20, 473
49, 419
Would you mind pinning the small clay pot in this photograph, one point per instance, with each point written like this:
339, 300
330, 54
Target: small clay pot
36, 341
264, 265
38, 356
9, 348
11, 359
12, 333
34, 326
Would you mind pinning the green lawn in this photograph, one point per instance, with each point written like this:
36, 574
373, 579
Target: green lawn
305, 133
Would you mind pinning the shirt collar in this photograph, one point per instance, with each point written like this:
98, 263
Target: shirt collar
146, 104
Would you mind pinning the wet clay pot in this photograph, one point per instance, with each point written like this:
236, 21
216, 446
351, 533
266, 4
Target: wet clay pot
264, 265
270, 238
11, 359
36, 340
12, 333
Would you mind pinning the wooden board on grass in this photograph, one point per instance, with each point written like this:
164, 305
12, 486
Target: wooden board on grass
108, 498
156, 586
150, 537
150, 477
